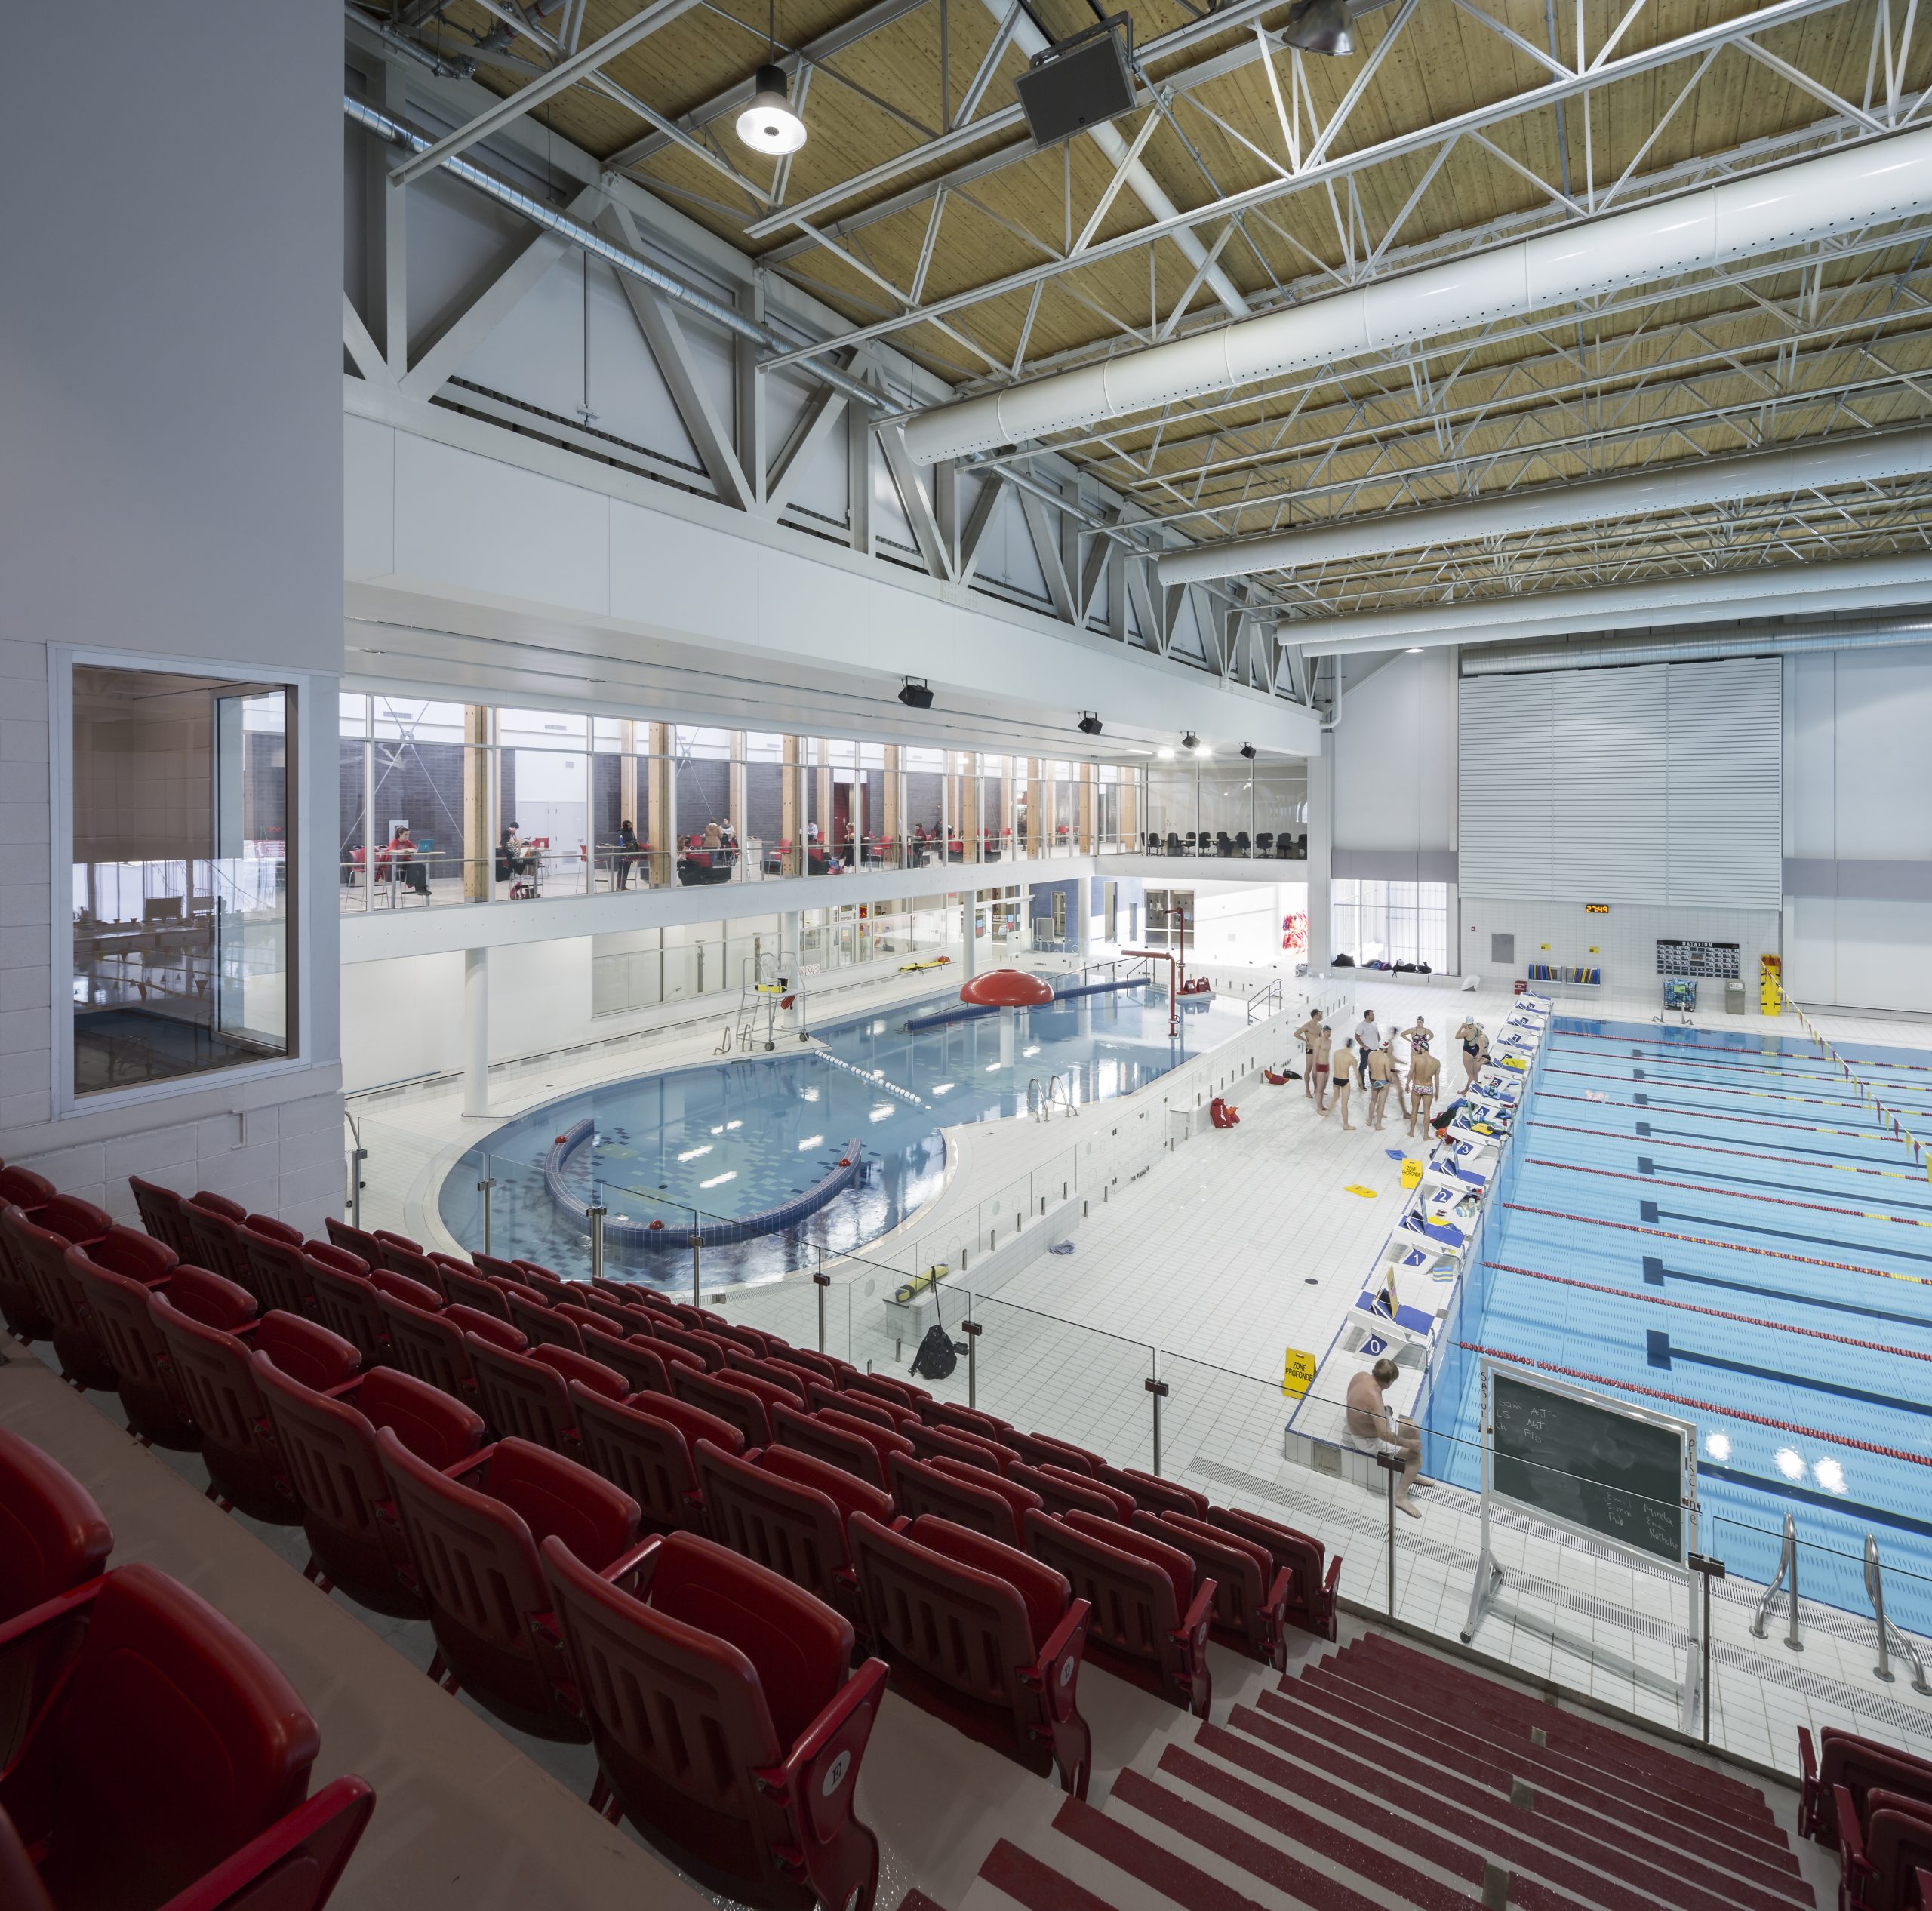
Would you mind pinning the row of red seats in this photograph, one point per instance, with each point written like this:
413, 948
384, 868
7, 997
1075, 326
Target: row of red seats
150, 1755
1873, 1804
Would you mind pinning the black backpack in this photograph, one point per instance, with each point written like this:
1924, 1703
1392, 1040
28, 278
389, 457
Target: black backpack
936, 1356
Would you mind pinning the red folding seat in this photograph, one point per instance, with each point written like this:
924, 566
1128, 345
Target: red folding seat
646, 1445
26, 1233
1150, 1612
1063, 1492
714, 1651
707, 1347
327, 1444
412, 1265
21, 1187
1884, 1852
540, 1323
1151, 1494
493, 1267
931, 1442
901, 1393
128, 1334
1844, 1760
644, 1369
278, 1274
215, 1203
216, 1380
967, 1420
1037, 1450
1312, 1599
787, 1379
982, 1636
528, 1395
218, 1243
584, 1318
788, 1512
895, 1419
635, 1295
545, 1280
606, 1301
812, 1435
325, 1253
1251, 1592
84, 1357
747, 1339
734, 1397
430, 1347
472, 1538
209, 1299
172, 1747
164, 1214
813, 1369
968, 1496
355, 1241
348, 1304
400, 1287
465, 1288
52, 1536
883, 1442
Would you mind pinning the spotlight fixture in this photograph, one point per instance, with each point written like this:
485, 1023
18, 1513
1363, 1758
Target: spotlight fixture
916, 694
1320, 26
1090, 724
1414, 649
1190, 741
1165, 753
1247, 750
769, 124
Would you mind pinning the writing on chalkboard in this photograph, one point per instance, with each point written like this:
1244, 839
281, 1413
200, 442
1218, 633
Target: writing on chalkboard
1589, 1464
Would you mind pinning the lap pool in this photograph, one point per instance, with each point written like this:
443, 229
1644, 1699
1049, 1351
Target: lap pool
759, 1142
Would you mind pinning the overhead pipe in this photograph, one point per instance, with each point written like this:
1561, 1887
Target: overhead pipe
1840, 191
1662, 647
1031, 41
1707, 597
1842, 460
615, 256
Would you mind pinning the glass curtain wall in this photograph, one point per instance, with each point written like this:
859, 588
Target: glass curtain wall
1234, 807
1390, 922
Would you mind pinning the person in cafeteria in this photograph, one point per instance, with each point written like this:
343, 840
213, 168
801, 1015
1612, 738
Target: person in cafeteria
1344, 1079
1475, 1045
1370, 1426
1424, 1071
628, 850
1305, 1035
1379, 1071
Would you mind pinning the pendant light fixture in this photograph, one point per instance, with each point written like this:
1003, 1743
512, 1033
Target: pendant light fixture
769, 124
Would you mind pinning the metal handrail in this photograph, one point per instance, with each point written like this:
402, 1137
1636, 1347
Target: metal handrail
1786, 1577
1270, 995
1874, 1588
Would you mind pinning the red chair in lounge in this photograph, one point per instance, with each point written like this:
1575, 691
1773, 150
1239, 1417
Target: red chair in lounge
789, 1512
471, 1539
52, 1536
1311, 1598
713, 1651
1150, 1611
171, 1765
328, 1444
982, 1636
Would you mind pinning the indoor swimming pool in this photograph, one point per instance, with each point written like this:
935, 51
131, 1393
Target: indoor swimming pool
1723, 1226
755, 1142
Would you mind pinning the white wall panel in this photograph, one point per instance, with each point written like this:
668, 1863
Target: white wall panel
1609, 824
1726, 840
678, 576
1506, 769
1622, 944
1883, 712
1396, 757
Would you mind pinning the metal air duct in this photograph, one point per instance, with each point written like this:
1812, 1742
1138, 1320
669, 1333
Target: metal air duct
1877, 633
1656, 489
1840, 191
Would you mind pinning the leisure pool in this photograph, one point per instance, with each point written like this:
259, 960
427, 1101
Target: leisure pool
734, 1140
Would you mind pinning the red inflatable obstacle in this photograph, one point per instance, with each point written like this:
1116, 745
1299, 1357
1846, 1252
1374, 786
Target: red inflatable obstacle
1276, 1080
1007, 989
1221, 1114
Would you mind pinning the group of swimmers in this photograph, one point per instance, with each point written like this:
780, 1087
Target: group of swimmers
1367, 1056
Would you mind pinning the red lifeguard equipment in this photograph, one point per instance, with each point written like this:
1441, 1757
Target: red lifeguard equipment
1007, 989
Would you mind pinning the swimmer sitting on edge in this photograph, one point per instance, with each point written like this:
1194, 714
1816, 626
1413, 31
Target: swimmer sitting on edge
1370, 1427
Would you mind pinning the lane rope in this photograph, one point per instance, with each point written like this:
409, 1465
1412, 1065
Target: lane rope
1711, 1148
1718, 1115
1711, 1088
1701, 1406
1732, 1194
1725, 1047
1717, 1313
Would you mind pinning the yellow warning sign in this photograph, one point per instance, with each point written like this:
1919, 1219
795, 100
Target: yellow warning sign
1297, 1373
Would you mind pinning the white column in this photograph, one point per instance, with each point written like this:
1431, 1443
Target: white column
791, 961
1007, 1018
476, 1033
969, 914
1321, 851
1083, 896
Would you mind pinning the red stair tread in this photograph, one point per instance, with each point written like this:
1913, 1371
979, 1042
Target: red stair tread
1595, 1812
1564, 1729
1460, 1721
916, 1899
1027, 1881
1541, 1847
1362, 1808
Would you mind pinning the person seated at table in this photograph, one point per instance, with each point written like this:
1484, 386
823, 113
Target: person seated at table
403, 866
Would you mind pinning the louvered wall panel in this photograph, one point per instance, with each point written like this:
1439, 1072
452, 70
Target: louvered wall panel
1608, 796
1725, 783
1503, 771
1657, 784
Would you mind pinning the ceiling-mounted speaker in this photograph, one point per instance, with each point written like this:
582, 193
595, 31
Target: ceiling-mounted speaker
1079, 82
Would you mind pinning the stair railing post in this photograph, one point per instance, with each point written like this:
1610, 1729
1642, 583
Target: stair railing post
596, 1211
1391, 1465
1707, 1569
483, 1188
971, 1331
1158, 1387
821, 1280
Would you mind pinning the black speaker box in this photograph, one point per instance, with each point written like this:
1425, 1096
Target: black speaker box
1079, 82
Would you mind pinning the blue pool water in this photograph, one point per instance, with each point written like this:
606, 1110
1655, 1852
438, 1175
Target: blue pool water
737, 1139
1721, 1220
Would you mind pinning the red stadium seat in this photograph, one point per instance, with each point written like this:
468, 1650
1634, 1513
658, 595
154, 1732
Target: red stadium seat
1311, 1601
219, 1246
526, 1395
813, 1434
211, 1298
28, 1235
1251, 1592
967, 1420
428, 1347
52, 1536
787, 1511
85, 1359
734, 1397
707, 1347
883, 1387
1882, 1850
171, 1744
465, 1288
746, 1340
400, 1287
981, 1636
1037, 1450
164, 1214
327, 1444
883, 1442
473, 1537
411, 1263
1062, 1492
21, 1187
644, 1369
217, 1379
968, 1496
937, 1442
716, 1651
812, 1366
279, 1272
1843, 1760
365, 1247
1151, 1494
787, 1379
1150, 1613
889, 1414
645, 1444
347, 1304
540, 1323
128, 1334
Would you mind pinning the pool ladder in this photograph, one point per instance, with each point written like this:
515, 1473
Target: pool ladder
1891, 1639
1040, 1101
